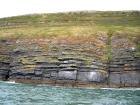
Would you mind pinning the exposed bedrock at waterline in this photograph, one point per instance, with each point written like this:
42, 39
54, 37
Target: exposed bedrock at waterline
68, 63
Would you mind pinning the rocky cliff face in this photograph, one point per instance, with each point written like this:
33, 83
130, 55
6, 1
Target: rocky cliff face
124, 72
69, 61
5, 50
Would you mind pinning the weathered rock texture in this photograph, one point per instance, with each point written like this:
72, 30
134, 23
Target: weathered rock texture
68, 63
5, 50
125, 70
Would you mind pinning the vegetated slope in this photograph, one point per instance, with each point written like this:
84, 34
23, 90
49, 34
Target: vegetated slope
72, 27
72, 46
72, 23
94, 27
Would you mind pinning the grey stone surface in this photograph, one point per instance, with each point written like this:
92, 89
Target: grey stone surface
38, 72
130, 78
115, 78
92, 76
36, 78
70, 75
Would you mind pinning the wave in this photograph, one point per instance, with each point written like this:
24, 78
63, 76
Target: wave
121, 88
12, 82
125, 88
9, 82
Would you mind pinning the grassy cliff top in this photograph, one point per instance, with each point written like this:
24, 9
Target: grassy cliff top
70, 24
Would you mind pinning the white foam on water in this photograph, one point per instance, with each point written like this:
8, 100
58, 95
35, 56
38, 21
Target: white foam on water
129, 88
92, 88
10, 82
120, 88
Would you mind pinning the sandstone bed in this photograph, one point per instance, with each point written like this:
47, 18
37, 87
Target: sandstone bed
70, 61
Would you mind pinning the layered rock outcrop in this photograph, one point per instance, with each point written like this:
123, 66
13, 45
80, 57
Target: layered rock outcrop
56, 61
5, 50
125, 70
67, 62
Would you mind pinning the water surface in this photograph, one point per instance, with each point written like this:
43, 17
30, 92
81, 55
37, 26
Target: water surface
25, 94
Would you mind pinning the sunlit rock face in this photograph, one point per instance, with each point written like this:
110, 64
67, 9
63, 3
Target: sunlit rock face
67, 75
85, 76
92, 76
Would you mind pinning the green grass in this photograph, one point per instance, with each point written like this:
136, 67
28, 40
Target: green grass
73, 23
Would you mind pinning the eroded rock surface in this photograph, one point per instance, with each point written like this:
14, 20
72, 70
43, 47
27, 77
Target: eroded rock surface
66, 62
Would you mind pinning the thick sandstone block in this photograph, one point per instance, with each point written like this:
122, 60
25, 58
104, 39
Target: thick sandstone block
115, 78
68, 75
130, 78
92, 76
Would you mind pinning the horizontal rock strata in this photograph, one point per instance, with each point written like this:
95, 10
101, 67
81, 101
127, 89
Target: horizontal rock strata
67, 64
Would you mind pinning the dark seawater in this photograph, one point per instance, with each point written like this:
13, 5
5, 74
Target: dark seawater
25, 94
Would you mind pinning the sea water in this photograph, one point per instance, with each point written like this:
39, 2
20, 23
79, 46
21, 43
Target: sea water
25, 94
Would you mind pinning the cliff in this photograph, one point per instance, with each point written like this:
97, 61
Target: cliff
91, 57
